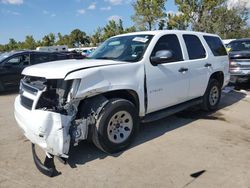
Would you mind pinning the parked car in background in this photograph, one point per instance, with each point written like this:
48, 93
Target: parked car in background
239, 56
13, 63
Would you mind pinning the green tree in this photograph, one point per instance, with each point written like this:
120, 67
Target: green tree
148, 13
29, 43
97, 38
12, 45
113, 28
212, 16
78, 38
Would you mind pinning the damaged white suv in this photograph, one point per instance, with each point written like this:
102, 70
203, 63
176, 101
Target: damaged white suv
130, 78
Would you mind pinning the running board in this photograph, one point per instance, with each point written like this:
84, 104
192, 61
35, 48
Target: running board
170, 110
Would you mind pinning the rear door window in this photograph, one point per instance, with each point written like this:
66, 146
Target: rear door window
40, 58
215, 45
194, 47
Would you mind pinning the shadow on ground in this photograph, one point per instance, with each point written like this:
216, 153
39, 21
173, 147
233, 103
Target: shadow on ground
86, 151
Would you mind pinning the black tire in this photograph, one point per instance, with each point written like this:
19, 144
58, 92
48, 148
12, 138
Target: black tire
211, 103
1, 87
100, 136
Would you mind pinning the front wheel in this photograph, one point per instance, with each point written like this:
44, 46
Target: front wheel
212, 96
116, 126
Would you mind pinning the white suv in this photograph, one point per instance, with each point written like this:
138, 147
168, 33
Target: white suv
134, 77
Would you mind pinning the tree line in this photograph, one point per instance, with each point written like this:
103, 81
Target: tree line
212, 16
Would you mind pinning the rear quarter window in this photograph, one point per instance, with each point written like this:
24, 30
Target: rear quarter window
215, 45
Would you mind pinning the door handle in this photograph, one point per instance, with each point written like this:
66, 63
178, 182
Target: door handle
208, 65
182, 69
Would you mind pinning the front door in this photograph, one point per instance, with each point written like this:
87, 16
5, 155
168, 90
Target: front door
13, 68
168, 83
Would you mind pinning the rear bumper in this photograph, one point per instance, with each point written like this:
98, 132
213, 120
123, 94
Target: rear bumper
49, 130
239, 76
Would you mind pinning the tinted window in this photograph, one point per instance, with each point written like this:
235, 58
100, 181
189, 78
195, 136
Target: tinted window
40, 58
169, 42
215, 45
20, 60
194, 47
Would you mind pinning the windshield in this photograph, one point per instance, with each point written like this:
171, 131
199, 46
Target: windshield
128, 48
239, 45
4, 56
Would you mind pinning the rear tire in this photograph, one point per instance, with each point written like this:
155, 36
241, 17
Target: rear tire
116, 126
212, 96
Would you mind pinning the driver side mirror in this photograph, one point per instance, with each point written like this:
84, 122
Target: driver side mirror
162, 56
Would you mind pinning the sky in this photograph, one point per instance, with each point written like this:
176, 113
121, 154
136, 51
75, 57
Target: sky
19, 18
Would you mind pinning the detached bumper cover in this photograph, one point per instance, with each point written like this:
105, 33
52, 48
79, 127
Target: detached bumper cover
48, 168
49, 130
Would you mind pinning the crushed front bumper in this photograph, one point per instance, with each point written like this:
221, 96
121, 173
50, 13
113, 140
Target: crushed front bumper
49, 130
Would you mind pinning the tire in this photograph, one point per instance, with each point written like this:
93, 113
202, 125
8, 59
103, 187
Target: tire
1, 87
116, 126
212, 96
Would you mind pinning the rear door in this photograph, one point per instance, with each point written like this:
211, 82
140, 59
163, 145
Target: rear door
199, 65
167, 84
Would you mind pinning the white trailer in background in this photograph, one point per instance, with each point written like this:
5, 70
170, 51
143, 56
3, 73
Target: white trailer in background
61, 48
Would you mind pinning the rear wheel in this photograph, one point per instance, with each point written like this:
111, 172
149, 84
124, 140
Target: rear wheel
212, 96
116, 126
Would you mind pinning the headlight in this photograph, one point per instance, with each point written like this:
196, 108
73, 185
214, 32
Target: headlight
74, 89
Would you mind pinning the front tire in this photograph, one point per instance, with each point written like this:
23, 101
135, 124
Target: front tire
212, 96
116, 126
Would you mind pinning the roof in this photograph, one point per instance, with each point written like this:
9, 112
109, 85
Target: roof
156, 32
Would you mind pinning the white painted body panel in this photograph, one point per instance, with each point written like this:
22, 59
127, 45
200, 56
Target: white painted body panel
47, 129
161, 86
59, 69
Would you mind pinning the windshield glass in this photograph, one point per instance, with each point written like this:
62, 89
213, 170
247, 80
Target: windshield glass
124, 48
239, 45
4, 56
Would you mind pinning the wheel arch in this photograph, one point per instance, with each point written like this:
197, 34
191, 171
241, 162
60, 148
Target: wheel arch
219, 76
127, 94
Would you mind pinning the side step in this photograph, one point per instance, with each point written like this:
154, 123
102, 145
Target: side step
170, 110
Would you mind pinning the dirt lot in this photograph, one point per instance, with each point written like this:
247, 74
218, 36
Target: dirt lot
190, 149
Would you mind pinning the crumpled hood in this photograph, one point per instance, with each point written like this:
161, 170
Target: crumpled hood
59, 69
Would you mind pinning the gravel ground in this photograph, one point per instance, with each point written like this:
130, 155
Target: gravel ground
189, 149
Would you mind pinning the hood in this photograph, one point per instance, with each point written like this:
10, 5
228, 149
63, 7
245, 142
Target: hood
239, 55
59, 69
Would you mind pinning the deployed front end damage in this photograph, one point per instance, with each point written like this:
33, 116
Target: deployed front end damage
46, 111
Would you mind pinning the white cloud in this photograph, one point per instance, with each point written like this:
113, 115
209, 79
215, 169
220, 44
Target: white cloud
114, 2
238, 3
10, 12
48, 13
92, 6
116, 18
105, 8
45, 12
81, 11
13, 2
174, 13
